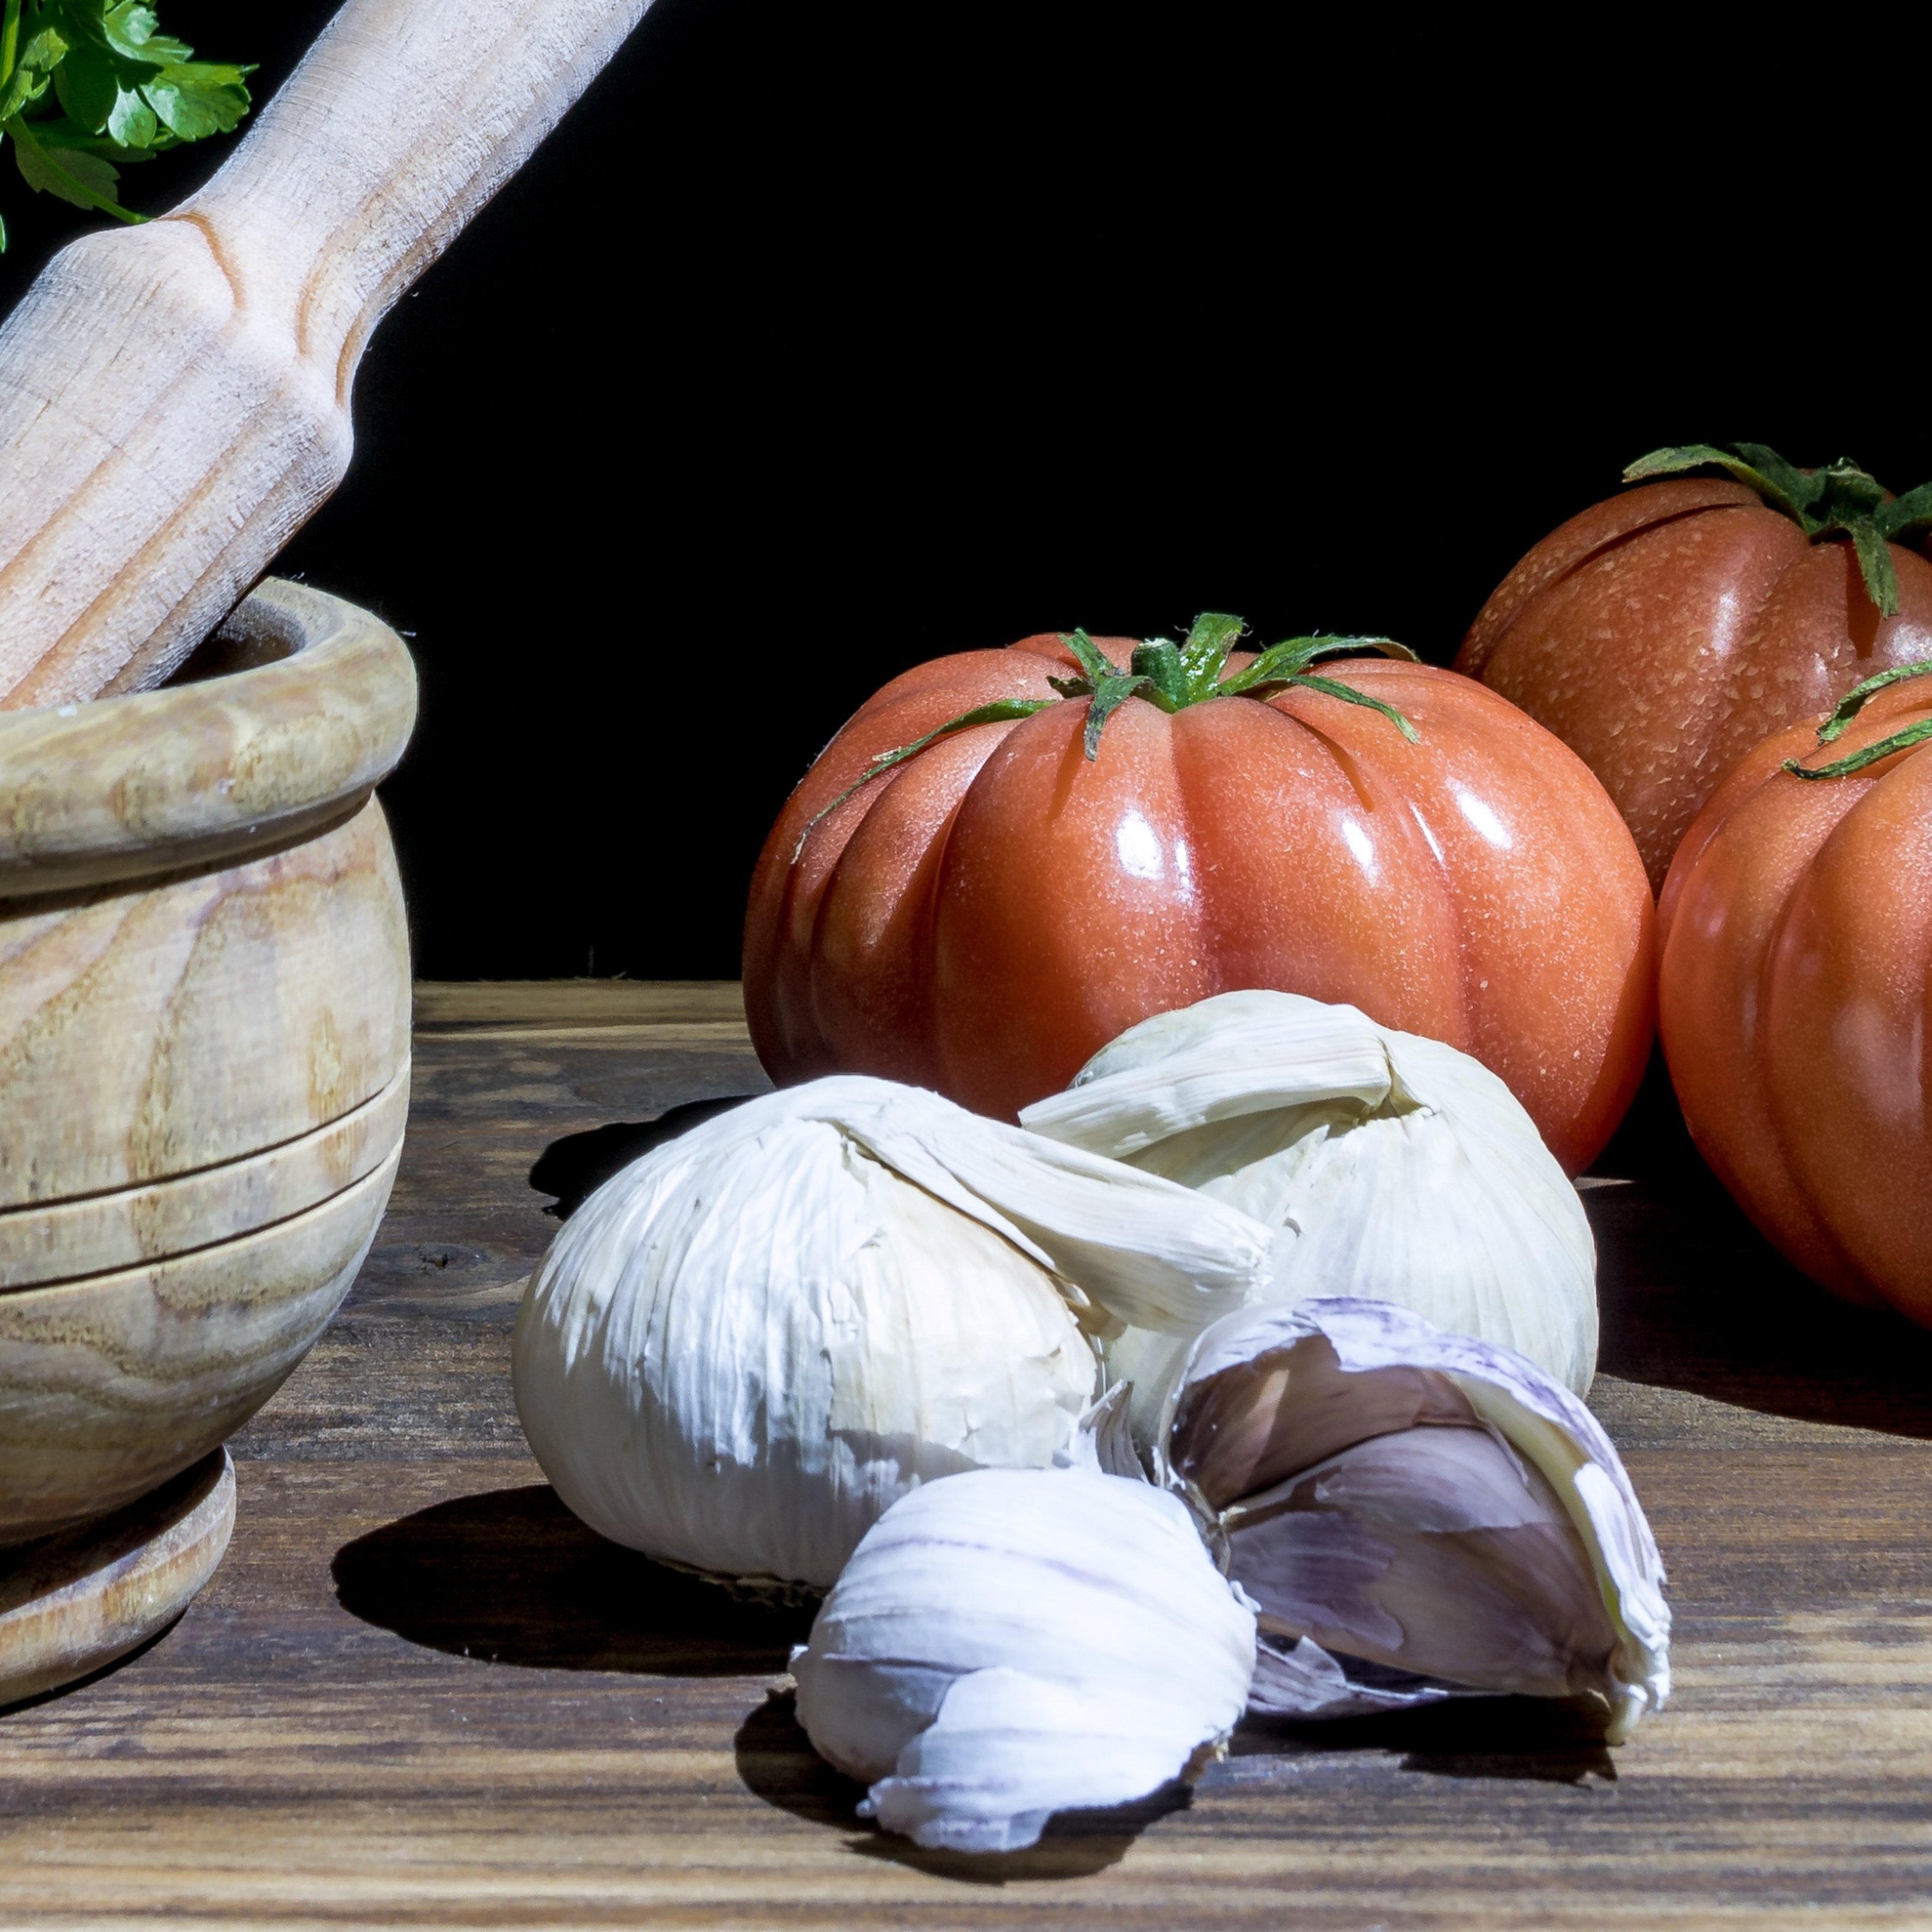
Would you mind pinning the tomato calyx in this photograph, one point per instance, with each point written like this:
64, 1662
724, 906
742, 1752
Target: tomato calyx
1173, 676
1001, 711
1848, 707
1840, 499
1169, 676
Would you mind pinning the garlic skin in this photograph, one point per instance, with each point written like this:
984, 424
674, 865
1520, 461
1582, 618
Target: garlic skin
1417, 1514
1391, 1167
741, 1350
1011, 1643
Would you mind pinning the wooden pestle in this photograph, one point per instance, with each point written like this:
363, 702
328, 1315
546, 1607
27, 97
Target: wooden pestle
174, 398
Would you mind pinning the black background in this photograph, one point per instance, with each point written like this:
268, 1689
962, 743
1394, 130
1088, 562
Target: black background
819, 340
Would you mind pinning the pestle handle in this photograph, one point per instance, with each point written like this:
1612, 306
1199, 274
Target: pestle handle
403, 119
174, 398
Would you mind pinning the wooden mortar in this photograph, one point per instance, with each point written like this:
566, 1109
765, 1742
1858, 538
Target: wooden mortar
204, 1047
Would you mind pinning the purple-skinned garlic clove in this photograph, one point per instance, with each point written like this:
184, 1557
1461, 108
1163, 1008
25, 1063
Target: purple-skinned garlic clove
1415, 1514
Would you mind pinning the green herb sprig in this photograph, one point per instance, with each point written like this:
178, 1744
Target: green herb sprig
89, 87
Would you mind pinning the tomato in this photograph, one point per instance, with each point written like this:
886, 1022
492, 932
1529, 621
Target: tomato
1664, 633
983, 916
1796, 990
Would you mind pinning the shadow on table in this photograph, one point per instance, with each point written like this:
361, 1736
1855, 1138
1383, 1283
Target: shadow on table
1694, 1298
1520, 1738
511, 1577
777, 1762
573, 1167
1531, 1739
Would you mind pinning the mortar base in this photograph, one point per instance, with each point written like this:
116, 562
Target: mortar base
72, 1602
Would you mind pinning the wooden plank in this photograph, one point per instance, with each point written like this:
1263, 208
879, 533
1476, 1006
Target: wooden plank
521, 1003
419, 1693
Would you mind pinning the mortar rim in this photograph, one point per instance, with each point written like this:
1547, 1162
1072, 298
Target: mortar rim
136, 787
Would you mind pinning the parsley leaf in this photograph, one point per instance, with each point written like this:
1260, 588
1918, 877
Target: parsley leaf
131, 122
87, 87
84, 179
86, 84
195, 98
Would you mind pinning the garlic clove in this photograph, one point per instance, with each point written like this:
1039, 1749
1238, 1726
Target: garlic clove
1433, 1551
742, 1349
1141, 1363
1228, 1057
1390, 1165
1294, 1677
1239, 1423
736, 1357
1146, 1249
1412, 1501
1103, 1445
1010, 1643
1008, 1749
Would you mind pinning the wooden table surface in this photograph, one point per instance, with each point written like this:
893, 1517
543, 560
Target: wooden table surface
419, 1693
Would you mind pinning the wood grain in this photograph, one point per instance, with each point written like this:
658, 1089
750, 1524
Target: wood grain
213, 767
204, 1046
110, 1385
146, 1033
521, 1005
203, 950
73, 1603
174, 398
101, 1232
417, 1694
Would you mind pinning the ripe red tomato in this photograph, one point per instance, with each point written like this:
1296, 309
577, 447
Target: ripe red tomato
1662, 633
983, 916
1796, 990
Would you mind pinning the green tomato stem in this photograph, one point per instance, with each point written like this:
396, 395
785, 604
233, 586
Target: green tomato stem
1856, 761
1855, 699
1847, 708
1168, 676
1839, 500
1000, 712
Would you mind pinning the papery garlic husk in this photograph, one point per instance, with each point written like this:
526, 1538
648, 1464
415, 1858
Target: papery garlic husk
1415, 1514
1012, 1643
1390, 1166
744, 1347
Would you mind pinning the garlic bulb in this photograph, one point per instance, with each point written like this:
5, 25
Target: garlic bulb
1011, 1643
742, 1349
1391, 1166
1415, 1514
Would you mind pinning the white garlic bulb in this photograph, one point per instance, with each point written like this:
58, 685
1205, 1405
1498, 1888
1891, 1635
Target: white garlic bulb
1008, 1644
745, 1346
1415, 1514
1391, 1166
